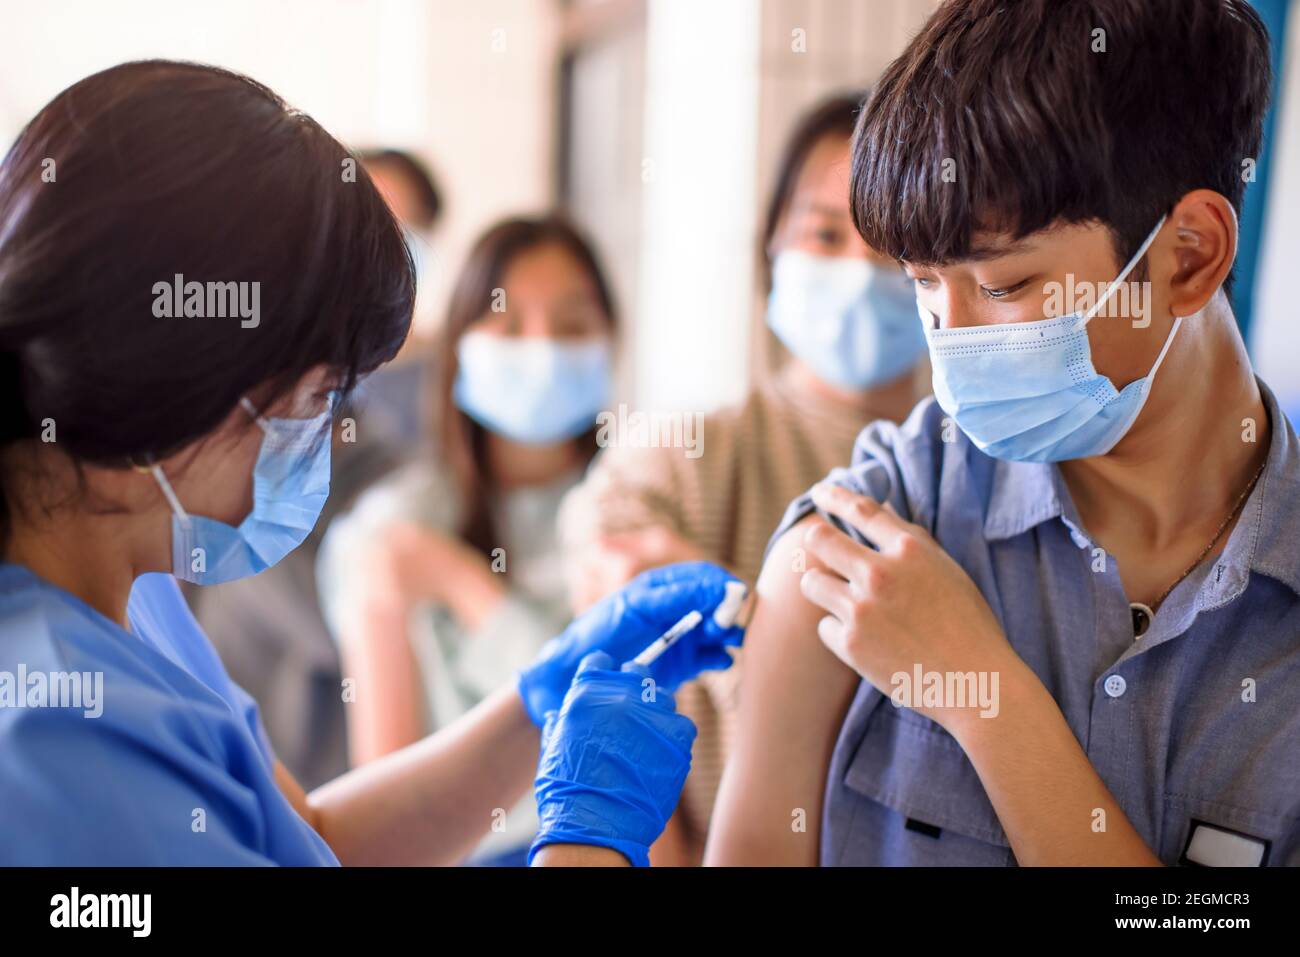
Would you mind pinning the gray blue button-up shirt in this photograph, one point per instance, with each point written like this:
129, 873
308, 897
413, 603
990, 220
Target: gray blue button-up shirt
1195, 727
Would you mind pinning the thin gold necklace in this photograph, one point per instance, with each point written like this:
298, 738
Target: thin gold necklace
1142, 614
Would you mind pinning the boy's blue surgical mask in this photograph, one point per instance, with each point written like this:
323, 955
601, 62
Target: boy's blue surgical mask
853, 322
291, 481
532, 389
1028, 391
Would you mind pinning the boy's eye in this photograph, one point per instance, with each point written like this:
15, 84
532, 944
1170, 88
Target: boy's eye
1003, 292
921, 281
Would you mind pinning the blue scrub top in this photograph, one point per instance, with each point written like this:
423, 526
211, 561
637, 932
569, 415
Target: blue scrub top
169, 764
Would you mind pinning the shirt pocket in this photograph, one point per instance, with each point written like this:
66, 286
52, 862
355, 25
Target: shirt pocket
924, 803
1204, 832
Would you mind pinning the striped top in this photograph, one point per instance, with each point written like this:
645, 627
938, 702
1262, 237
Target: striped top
755, 459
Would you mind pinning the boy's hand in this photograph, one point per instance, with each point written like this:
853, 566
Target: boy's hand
905, 605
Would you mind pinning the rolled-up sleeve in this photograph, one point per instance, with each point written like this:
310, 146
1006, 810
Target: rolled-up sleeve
894, 463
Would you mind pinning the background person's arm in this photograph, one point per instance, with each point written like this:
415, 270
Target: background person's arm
387, 707
405, 567
794, 697
431, 802
610, 524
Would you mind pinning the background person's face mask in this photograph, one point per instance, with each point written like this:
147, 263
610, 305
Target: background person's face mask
532, 389
1028, 391
853, 322
291, 481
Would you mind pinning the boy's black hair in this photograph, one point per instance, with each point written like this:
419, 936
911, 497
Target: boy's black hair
1043, 119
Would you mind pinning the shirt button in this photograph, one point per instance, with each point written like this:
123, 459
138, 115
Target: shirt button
1115, 685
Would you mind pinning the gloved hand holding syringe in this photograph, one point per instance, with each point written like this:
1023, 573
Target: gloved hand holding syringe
613, 760
728, 613
633, 620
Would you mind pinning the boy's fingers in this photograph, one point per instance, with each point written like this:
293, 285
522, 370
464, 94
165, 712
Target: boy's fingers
881, 526
837, 551
827, 591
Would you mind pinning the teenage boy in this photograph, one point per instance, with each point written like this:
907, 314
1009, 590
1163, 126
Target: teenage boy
1067, 589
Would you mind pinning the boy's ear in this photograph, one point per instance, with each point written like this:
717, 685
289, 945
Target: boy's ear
1204, 249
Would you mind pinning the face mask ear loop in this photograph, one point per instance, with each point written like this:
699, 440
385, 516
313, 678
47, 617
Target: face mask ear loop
168, 493
254, 414
1132, 264
1178, 321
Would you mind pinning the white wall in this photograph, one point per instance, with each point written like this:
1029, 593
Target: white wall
604, 156
692, 337
1275, 332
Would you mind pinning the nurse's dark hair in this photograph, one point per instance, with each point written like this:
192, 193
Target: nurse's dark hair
155, 169
462, 442
835, 116
1014, 116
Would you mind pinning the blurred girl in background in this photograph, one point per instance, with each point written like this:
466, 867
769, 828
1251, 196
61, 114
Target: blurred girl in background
854, 351
445, 579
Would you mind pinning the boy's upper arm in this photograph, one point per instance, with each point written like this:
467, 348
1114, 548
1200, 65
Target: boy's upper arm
795, 692
795, 695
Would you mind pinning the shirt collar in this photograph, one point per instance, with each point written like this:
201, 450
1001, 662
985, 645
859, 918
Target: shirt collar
1264, 540
1022, 495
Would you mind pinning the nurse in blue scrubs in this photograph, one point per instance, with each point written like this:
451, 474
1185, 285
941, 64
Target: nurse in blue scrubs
191, 275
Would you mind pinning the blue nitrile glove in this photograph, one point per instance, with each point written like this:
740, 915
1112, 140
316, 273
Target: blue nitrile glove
624, 622
614, 759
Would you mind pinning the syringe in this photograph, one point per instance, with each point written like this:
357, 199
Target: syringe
724, 616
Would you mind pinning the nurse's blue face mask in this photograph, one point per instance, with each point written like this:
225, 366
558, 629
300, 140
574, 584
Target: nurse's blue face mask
532, 390
853, 322
291, 480
1028, 391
